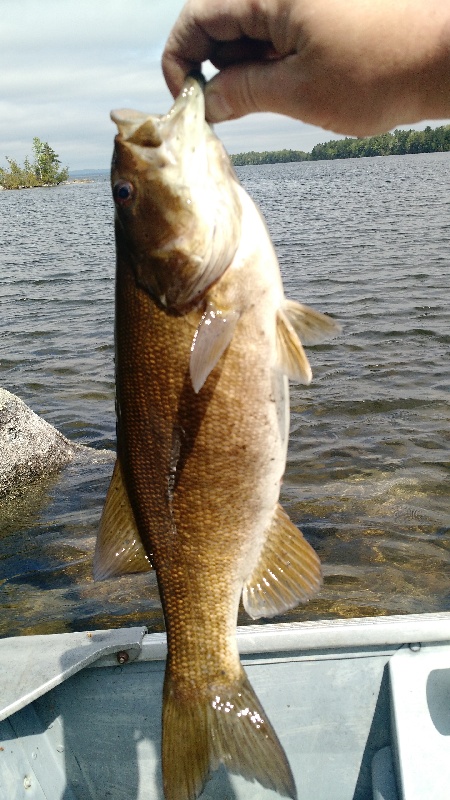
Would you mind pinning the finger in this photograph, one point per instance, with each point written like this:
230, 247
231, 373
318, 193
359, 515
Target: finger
240, 51
202, 29
286, 86
187, 47
274, 85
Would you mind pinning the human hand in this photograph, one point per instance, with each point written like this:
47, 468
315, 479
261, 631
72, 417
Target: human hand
357, 67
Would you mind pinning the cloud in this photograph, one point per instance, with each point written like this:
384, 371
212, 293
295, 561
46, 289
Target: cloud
85, 25
64, 64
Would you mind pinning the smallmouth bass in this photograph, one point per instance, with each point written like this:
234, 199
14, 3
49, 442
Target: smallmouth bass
205, 344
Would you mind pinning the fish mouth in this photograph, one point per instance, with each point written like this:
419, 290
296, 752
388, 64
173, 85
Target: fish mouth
184, 122
183, 128
189, 106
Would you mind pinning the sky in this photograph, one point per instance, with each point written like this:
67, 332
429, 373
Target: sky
64, 64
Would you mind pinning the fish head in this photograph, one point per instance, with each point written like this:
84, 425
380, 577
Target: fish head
178, 213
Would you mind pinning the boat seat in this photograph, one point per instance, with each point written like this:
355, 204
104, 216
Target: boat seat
420, 721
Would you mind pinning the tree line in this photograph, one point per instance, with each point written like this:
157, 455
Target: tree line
268, 157
400, 142
44, 170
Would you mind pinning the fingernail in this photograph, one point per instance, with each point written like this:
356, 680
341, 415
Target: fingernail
217, 108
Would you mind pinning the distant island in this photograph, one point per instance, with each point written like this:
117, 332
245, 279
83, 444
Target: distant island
268, 157
45, 170
400, 142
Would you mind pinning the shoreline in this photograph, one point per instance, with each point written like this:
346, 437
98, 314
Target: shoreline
46, 185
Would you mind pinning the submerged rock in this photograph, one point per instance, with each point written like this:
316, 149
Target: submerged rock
31, 448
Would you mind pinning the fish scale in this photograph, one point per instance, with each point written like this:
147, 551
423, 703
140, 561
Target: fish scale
204, 550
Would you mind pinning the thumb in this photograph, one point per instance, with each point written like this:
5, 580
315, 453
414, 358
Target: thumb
253, 86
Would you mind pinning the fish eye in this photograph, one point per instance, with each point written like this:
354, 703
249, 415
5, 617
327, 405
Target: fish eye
123, 192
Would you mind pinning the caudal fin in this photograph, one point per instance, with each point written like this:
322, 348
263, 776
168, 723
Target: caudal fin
229, 728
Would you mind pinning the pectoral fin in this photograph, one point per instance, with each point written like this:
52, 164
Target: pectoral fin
288, 571
119, 549
211, 339
292, 358
311, 326
296, 322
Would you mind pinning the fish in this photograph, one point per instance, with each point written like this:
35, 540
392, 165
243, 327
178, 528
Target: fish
205, 344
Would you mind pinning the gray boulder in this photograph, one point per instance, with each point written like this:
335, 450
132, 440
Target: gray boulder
30, 448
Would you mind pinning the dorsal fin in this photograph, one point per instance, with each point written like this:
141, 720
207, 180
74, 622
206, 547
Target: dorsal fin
288, 571
119, 549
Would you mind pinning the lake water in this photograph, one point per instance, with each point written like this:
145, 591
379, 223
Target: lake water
367, 477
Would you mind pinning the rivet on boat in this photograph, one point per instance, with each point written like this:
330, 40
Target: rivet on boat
122, 657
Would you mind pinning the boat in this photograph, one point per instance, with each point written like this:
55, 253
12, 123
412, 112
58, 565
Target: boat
361, 706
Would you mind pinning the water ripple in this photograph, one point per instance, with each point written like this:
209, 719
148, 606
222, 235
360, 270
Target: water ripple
366, 240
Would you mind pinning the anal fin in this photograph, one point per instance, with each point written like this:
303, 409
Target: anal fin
119, 549
229, 727
288, 571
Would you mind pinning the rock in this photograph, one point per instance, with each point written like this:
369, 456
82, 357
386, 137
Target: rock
30, 448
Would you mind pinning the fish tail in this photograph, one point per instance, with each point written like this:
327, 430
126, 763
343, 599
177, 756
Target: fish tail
228, 727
